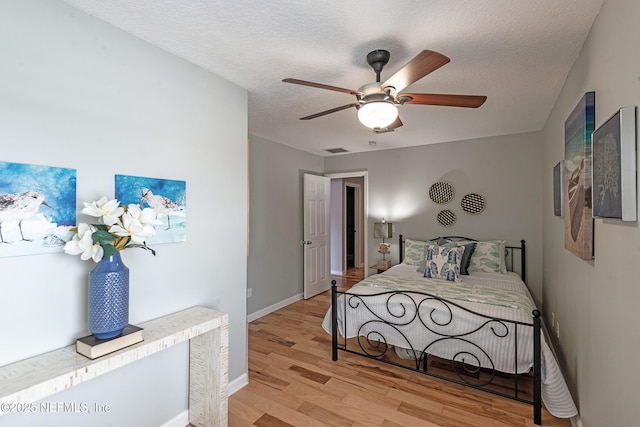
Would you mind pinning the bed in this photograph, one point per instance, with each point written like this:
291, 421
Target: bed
468, 320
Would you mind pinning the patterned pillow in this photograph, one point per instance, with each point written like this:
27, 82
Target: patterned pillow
503, 257
489, 257
413, 252
469, 248
443, 262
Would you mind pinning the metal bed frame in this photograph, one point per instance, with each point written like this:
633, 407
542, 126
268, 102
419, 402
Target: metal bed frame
466, 363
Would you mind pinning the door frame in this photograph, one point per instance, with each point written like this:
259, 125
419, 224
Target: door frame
365, 212
358, 261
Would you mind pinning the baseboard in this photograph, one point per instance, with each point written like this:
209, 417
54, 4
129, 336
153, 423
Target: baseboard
182, 419
238, 383
576, 421
338, 272
258, 314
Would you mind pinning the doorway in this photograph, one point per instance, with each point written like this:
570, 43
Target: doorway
348, 221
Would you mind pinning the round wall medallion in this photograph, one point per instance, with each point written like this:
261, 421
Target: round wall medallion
473, 203
441, 192
447, 218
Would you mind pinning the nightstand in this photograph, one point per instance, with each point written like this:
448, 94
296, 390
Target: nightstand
379, 269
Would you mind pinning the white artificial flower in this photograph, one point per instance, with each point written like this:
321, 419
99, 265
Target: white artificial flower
135, 224
82, 244
148, 217
109, 210
120, 227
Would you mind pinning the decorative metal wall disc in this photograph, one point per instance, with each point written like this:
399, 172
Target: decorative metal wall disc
441, 192
447, 218
473, 203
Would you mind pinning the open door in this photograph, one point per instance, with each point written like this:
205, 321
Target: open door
316, 239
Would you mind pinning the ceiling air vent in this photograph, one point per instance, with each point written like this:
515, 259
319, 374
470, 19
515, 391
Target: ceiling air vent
336, 150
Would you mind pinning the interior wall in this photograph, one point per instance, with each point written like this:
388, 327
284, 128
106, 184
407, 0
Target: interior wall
506, 170
78, 93
337, 266
275, 262
596, 301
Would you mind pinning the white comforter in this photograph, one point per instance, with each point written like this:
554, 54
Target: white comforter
471, 294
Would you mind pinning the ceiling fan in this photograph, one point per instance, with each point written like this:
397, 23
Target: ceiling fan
377, 102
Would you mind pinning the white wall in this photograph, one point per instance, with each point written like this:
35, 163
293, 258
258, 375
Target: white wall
506, 170
596, 302
276, 256
78, 93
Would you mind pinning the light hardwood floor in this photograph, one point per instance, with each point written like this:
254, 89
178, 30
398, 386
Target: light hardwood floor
293, 381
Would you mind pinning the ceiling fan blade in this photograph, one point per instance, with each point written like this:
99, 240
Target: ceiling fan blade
467, 101
424, 63
333, 110
321, 86
393, 126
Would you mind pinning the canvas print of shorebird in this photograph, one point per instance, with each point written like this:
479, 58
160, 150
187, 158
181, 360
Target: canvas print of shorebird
37, 208
166, 196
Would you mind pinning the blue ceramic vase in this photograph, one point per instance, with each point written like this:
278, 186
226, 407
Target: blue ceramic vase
108, 297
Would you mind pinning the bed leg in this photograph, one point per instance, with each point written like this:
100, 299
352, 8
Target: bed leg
334, 320
537, 370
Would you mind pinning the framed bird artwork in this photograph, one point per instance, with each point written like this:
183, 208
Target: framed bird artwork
37, 208
166, 196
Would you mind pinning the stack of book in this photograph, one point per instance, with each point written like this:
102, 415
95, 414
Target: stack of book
92, 347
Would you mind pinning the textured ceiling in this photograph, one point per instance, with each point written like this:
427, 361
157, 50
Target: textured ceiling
516, 52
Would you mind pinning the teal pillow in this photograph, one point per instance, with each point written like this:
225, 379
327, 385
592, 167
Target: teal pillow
489, 257
469, 247
413, 252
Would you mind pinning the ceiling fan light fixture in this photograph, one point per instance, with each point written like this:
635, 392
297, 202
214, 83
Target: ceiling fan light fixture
377, 114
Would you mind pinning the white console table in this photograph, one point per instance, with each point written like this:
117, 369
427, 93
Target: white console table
207, 330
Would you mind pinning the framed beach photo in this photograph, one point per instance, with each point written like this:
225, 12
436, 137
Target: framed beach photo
614, 167
578, 219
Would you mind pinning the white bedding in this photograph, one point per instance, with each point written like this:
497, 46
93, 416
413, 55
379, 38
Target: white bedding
470, 294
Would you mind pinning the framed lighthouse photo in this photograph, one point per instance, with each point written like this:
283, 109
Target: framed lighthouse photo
166, 196
37, 208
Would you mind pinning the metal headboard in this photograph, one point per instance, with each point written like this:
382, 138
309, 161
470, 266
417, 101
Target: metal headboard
509, 252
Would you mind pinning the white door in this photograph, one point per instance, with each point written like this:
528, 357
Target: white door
316, 239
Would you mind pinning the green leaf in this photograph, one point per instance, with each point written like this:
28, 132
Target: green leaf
108, 250
103, 237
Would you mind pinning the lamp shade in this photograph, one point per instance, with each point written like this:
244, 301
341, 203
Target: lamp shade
377, 114
382, 230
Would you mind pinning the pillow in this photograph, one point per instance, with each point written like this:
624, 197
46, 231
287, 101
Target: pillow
489, 257
420, 268
443, 262
469, 248
413, 252
503, 257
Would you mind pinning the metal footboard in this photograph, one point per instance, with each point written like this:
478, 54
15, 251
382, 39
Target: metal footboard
385, 333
